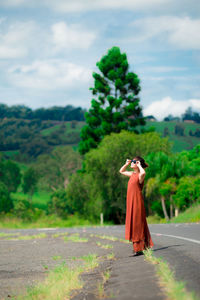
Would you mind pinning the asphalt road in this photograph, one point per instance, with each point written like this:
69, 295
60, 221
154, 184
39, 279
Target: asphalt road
22, 262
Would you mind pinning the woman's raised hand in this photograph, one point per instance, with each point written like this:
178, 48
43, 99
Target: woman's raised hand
128, 161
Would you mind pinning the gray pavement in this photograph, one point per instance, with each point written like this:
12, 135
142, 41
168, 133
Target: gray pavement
23, 262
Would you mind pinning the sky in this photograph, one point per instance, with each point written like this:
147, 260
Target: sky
49, 50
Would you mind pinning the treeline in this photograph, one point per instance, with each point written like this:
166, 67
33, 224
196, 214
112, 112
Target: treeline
56, 113
27, 138
179, 130
94, 185
189, 115
50, 172
171, 185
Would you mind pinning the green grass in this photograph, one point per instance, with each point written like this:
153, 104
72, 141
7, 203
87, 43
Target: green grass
191, 215
174, 289
57, 257
107, 237
49, 130
75, 238
39, 199
28, 237
8, 221
61, 281
69, 129
110, 256
104, 246
179, 143
155, 220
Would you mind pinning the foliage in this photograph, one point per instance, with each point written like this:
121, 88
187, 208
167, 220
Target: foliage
59, 205
102, 186
10, 175
23, 209
116, 103
179, 129
55, 168
188, 192
167, 180
30, 180
58, 113
6, 203
190, 115
34, 137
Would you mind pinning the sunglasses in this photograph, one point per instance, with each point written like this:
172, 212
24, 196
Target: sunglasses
134, 161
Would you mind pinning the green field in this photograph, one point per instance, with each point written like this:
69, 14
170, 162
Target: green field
69, 128
180, 143
39, 199
190, 215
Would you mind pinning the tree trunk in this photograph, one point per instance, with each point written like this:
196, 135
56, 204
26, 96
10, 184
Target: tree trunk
176, 212
171, 207
164, 208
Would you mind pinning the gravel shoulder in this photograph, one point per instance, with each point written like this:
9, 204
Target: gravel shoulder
24, 263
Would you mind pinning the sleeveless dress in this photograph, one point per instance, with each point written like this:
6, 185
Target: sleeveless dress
136, 228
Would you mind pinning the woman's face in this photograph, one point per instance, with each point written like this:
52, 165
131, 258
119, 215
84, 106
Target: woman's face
133, 164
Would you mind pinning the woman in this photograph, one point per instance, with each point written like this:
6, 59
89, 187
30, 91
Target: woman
136, 228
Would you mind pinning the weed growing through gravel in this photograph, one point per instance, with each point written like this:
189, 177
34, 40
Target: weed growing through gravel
29, 237
61, 281
3, 234
175, 289
100, 286
57, 257
110, 256
75, 238
109, 237
59, 234
104, 246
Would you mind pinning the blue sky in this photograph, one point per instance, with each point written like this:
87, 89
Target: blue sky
49, 49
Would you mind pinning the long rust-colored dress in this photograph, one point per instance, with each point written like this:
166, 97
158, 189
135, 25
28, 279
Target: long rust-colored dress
136, 228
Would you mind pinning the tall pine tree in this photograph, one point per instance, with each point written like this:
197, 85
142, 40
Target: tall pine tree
116, 103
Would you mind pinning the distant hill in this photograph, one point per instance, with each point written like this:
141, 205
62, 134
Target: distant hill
24, 140
167, 129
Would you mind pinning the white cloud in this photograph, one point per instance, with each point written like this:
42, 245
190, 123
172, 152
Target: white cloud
77, 6
16, 40
92, 5
49, 75
183, 32
163, 69
71, 36
11, 3
167, 105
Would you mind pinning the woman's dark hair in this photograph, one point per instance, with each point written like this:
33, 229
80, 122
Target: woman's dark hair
142, 161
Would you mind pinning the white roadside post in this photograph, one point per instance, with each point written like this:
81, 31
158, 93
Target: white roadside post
101, 219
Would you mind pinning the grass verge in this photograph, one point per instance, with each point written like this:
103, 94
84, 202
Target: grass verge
190, 215
10, 221
75, 238
61, 281
175, 289
104, 246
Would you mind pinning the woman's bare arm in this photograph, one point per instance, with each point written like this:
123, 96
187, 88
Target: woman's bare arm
123, 169
142, 172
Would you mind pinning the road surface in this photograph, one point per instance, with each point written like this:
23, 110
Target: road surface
24, 262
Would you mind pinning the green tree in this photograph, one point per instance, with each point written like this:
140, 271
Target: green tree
188, 192
102, 188
30, 180
59, 204
6, 203
11, 175
116, 103
54, 169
